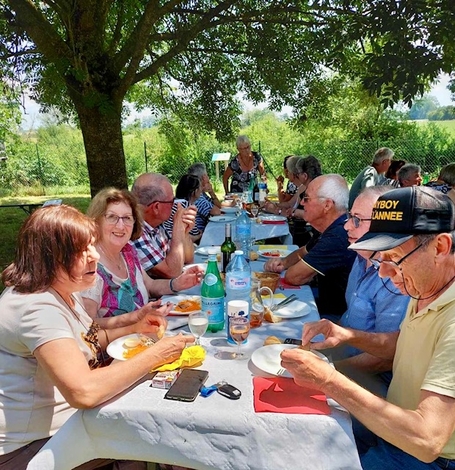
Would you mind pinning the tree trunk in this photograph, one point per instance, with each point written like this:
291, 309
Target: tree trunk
103, 141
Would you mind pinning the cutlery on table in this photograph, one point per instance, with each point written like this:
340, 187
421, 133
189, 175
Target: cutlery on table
284, 302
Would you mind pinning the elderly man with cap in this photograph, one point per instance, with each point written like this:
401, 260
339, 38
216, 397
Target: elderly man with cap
411, 240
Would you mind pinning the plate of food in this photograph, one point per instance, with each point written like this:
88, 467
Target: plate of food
183, 304
229, 210
273, 253
205, 250
273, 219
222, 219
128, 346
268, 359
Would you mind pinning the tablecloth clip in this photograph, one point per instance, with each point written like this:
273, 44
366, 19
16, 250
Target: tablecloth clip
207, 391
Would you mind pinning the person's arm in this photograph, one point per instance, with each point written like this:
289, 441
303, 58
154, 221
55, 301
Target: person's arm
281, 264
422, 432
381, 345
300, 273
181, 247
215, 201
83, 388
226, 175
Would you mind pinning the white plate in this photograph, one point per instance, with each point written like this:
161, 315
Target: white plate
273, 218
204, 250
295, 309
175, 299
268, 358
222, 219
268, 253
116, 348
229, 210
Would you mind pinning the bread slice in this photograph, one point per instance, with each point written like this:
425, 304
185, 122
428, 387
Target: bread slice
270, 317
271, 340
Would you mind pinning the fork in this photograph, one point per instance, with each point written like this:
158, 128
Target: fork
281, 371
147, 341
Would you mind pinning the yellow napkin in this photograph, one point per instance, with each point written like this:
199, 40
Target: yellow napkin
273, 247
191, 357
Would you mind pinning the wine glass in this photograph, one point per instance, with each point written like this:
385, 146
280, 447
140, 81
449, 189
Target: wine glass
198, 323
254, 209
239, 328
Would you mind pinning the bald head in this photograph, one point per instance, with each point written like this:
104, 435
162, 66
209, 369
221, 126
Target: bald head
150, 187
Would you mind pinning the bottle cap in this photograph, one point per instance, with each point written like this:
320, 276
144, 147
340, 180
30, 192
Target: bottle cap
238, 252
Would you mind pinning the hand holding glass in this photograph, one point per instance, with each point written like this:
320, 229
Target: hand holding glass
239, 328
198, 323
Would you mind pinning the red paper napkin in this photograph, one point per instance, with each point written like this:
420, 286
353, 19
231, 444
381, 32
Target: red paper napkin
279, 222
285, 285
283, 395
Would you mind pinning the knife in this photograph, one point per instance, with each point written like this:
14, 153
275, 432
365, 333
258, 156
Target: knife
284, 302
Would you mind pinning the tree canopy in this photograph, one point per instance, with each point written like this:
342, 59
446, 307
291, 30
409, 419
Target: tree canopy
193, 58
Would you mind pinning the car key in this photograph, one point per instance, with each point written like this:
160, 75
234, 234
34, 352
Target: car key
229, 391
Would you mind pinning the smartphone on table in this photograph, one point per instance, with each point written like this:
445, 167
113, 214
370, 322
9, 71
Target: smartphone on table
187, 385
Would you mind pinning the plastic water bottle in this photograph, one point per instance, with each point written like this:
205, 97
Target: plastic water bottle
238, 282
243, 233
262, 191
212, 295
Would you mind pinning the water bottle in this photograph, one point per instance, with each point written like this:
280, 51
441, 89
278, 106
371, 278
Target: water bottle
227, 248
212, 295
262, 192
238, 283
243, 233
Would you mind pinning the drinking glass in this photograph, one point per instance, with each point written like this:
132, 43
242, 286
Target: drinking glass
198, 323
239, 328
254, 210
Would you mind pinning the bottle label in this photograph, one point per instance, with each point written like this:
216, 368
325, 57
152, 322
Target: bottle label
214, 307
210, 279
239, 282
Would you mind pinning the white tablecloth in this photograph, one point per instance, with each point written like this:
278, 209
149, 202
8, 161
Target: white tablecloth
211, 433
214, 233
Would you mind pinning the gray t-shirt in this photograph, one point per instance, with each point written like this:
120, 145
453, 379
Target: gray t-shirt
31, 407
366, 178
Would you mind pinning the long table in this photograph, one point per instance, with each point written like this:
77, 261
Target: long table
214, 232
211, 433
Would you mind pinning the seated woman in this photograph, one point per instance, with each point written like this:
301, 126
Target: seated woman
122, 285
189, 188
50, 349
285, 195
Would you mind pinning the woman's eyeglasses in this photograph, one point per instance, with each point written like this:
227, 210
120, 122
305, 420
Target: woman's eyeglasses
356, 220
113, 219
376, 262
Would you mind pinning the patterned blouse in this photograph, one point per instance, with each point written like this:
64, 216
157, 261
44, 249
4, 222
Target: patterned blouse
240, 180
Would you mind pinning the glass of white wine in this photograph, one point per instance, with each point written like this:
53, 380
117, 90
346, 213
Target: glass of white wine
198, 323
239, 328
254, 210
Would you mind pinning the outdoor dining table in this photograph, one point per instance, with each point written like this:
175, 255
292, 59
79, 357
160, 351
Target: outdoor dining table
212, 433
214, 231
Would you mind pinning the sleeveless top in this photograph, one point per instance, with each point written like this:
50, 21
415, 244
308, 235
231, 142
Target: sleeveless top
240, 180
124, 297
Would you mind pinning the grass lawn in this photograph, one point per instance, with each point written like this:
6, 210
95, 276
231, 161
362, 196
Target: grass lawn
11, 219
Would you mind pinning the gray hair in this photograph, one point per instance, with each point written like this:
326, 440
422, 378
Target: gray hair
334, 187
150, 187
384, 153
407, 170
447, 174
197, 169
291, 164
242, 139
309, 165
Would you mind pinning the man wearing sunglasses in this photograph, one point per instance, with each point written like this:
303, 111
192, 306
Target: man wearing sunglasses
162, 253
411, 238
374, 304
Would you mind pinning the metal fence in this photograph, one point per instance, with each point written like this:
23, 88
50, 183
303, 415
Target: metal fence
35, 166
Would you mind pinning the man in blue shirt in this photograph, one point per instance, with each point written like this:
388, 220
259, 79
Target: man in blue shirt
374, 304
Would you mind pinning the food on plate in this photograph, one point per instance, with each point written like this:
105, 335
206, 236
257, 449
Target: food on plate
272, 253
271, 340
131, 342
270, 317
131, 352
188, 305
228, 203
254, 255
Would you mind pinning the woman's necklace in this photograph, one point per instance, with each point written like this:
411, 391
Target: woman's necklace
118, 263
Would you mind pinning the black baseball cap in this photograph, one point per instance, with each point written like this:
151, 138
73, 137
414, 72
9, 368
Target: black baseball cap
401, 213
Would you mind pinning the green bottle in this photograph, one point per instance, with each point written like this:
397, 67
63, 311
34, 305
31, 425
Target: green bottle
212, 295
227, 248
